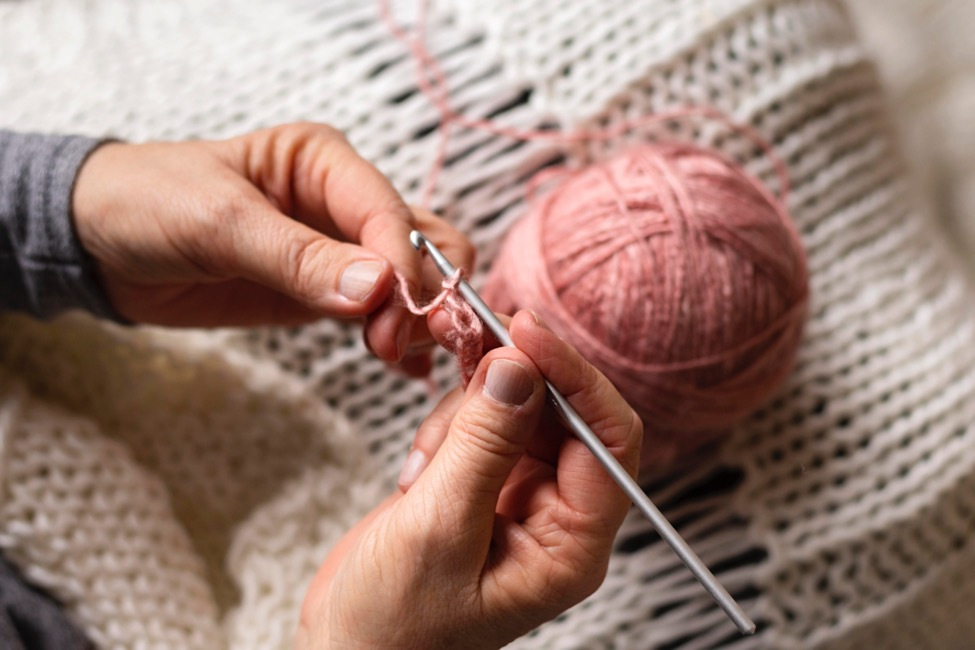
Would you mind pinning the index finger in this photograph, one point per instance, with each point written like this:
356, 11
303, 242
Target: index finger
584, 485
368, 210
312, 173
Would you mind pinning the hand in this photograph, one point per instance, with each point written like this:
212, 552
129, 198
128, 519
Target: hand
511, 523
280, 226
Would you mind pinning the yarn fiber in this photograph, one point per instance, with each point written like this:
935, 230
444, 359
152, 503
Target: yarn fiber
840, 515
677, 275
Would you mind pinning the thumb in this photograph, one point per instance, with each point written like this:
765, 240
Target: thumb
333, 278
485, 440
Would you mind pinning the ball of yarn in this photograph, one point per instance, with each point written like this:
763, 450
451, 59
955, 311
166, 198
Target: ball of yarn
677, 275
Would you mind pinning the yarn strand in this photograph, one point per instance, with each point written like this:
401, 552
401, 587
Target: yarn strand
432, 81
465, 340
670, 267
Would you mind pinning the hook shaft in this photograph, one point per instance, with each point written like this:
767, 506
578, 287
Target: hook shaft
595, 445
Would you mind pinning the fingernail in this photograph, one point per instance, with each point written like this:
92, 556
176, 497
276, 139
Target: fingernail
538, 319
415, 463
508, 382
359, 279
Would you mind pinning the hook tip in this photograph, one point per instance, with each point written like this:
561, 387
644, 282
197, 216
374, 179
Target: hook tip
417, 239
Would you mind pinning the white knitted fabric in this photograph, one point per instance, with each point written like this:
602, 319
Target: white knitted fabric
177, 490
926, 56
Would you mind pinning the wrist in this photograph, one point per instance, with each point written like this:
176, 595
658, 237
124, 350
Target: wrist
87, 213
89, 199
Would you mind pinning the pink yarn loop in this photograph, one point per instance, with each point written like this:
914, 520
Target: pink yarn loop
465, 339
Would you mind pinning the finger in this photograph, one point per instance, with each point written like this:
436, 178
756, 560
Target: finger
312, 173
429, 437
584, 485
335, 183
485, 440
455, 247
261, 244
460, 251
416, 364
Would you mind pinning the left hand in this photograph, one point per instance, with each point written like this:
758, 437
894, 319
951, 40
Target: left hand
511, 523
279, 226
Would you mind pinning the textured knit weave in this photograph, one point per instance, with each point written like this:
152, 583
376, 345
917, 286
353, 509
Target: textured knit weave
178, 490
926, 56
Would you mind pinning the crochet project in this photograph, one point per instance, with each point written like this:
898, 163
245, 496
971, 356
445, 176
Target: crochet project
179, 489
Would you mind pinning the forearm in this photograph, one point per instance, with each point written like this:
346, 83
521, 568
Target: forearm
43, 267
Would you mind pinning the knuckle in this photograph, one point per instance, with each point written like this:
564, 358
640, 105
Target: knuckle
307, 265
382, 221
392, 206
307, 129
326, 131
611, 415
483, 435
485, 432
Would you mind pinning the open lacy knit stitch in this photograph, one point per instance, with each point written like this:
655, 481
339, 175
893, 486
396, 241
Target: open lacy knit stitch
177, 490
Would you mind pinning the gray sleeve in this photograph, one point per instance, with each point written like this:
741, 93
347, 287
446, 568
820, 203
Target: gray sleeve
31, 620
43, 268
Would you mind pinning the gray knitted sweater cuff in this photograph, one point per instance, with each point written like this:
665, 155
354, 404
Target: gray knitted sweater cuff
43, 268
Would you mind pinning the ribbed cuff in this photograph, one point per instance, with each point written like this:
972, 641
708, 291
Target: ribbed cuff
44, 268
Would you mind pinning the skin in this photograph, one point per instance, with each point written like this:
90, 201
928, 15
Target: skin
257, 230
507, 520
511, 523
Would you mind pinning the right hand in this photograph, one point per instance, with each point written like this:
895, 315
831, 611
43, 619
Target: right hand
511, 523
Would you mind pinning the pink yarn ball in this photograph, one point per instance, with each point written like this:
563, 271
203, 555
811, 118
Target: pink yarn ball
677, 275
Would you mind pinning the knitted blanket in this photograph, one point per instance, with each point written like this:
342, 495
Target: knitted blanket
926, 58
178, 489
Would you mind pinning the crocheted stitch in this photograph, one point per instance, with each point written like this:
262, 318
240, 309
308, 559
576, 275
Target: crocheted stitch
178, 490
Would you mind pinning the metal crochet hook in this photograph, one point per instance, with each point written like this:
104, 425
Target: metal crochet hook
595, 445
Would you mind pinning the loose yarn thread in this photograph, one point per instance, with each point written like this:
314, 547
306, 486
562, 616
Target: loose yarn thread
466, 335
669, 267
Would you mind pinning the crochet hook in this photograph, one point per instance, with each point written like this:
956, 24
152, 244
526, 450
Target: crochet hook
667, 532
